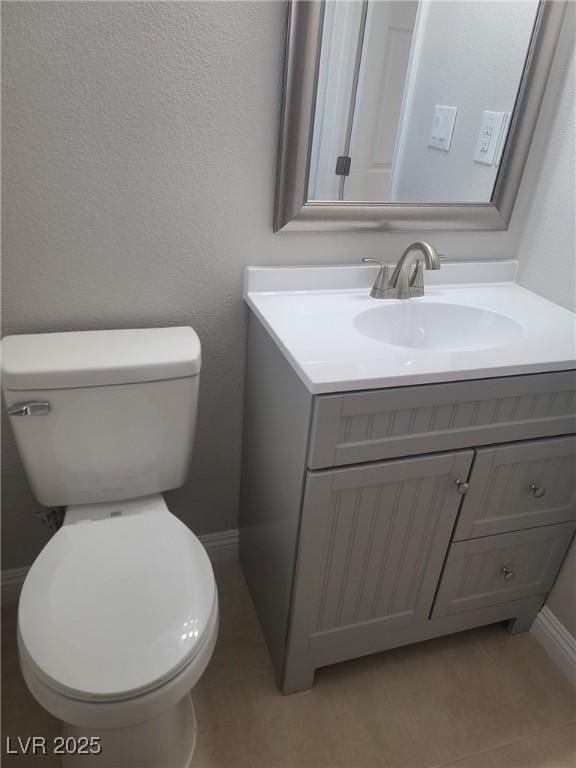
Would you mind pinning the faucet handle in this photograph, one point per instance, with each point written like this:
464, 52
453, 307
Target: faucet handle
381, 284
383, 264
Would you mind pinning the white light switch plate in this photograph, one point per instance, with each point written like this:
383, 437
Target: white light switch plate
491, 137
442, 127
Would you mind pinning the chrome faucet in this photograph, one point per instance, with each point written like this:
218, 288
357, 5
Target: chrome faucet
407, 280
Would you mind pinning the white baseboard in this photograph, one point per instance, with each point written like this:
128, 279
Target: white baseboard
222, 545
12, 580
557, 642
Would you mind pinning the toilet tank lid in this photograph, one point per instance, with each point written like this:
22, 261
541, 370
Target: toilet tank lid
97, 358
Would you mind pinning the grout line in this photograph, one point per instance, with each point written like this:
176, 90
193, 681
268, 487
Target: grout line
466, 757
489, 750
530, 735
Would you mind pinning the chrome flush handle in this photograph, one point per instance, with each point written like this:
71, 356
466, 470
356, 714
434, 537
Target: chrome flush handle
31, 408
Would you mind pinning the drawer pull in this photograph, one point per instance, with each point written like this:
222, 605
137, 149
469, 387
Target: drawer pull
462, 486
537, 492
508, 573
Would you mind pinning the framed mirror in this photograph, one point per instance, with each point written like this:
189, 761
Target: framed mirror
410, 114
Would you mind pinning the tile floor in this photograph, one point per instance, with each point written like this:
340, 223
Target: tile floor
479, 699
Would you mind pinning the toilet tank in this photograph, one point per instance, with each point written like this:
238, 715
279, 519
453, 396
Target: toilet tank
102, 415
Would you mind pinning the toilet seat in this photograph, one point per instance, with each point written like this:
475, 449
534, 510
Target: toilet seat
118, 603
101, 715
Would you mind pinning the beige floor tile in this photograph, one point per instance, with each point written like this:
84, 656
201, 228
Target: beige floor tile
215, 749
424, 705
445, 699
240, 649
554, 748
423, 702
239, 653
314, 729
528, 678
419, 706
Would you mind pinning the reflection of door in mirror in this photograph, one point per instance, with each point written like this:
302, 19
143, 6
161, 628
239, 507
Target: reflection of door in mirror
414, 98
385, 54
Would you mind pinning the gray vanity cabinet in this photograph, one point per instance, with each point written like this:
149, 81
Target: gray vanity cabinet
373, 542
355, 536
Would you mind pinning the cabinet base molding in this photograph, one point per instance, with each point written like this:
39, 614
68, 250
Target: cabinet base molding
300, 668
557, 642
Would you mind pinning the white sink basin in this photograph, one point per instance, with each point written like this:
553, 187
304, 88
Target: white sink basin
473, 322
448, 327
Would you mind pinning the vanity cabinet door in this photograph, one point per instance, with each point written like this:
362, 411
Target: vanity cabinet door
372, 543
498, 569
520, 485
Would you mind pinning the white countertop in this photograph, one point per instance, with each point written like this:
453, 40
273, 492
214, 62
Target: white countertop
310, 312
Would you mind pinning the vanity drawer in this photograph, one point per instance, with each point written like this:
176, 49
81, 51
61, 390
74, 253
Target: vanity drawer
520, 485
381, 424
499, 569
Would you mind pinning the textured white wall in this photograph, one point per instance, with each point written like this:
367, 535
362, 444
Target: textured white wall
139, 159
468, 55
548, 244
548, 258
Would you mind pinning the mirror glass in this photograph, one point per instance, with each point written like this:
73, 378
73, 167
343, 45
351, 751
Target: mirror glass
414, 99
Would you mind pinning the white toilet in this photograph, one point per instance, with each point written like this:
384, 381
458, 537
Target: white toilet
118, 615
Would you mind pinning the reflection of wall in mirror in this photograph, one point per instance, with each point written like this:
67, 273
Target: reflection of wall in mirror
469, 55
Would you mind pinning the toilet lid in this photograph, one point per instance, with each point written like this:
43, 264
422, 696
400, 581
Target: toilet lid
117, 602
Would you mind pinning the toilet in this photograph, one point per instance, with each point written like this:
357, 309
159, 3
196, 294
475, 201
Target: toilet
118, 615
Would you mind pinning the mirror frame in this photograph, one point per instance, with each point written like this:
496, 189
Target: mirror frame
293, 210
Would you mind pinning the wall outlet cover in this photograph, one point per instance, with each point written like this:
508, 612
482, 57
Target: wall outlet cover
491, 138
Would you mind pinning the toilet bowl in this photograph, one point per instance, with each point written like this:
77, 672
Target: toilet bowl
118, 615
117, 621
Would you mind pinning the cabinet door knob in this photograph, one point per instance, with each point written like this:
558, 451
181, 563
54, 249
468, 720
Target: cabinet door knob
462, 487
508, 573
537, 492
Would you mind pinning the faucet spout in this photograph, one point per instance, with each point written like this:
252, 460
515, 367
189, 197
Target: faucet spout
404, 278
